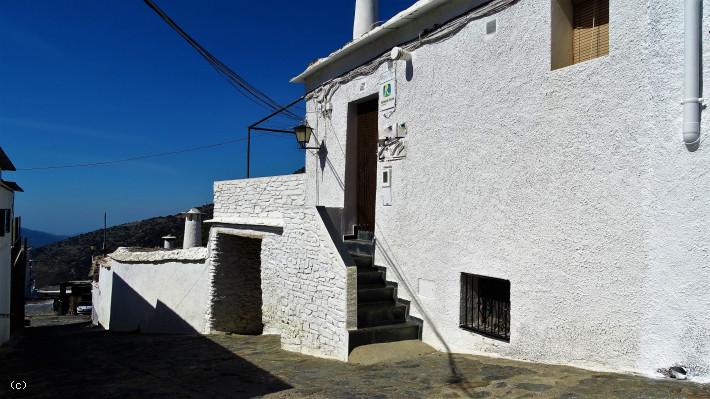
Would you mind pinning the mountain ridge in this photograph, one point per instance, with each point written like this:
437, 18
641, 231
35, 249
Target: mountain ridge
70, 258
38, 238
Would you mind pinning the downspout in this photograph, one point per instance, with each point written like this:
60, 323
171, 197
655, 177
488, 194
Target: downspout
692, 102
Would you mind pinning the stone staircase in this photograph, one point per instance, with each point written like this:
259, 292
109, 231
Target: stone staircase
381, 316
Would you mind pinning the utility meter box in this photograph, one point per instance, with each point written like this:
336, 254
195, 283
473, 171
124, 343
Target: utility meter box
386, 183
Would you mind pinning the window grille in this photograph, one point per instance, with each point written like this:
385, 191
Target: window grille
590, 30
485, 306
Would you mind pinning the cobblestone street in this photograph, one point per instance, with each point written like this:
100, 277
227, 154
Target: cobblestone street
60, 360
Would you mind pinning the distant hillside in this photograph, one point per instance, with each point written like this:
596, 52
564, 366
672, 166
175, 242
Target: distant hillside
38, 239
70, 259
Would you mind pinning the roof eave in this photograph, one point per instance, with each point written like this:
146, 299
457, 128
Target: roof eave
404, 17
11, 186
5, 163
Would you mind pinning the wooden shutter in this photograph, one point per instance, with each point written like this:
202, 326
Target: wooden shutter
591, 29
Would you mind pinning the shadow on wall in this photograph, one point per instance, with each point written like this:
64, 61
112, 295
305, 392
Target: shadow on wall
130, 312
83, 362
456, 375
392, 264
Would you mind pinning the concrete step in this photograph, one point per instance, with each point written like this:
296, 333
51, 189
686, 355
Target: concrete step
360, 235
380, 313
362, 260
360, 247
374, 284
379, 294
389, 352
365, 276
365, 235
387, 333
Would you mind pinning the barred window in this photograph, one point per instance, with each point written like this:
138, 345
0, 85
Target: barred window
485, 306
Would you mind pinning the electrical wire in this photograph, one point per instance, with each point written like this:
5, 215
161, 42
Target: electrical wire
438, 34
322, 94
244, 87
135, 158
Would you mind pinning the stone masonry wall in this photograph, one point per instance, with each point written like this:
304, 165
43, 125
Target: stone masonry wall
261, 197
303, 279
236, 285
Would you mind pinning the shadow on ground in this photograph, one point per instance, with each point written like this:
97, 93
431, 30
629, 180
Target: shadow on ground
66, 357
77, 360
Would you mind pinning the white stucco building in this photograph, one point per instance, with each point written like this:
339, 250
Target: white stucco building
517, 150
7, 206
509, 178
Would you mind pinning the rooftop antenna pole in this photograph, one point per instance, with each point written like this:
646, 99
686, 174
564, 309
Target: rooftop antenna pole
104, 244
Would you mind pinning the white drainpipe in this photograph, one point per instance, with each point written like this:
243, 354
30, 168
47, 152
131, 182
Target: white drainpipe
692, 103
366, 15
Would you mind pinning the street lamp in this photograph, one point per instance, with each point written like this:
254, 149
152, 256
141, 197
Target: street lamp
303, 136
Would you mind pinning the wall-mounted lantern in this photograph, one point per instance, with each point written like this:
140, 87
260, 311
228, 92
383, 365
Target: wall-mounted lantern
303, 136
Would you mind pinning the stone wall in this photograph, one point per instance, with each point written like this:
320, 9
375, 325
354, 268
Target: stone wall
304, 288
265, 197
236, 285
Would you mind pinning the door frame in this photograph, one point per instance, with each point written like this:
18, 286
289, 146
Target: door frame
352, 169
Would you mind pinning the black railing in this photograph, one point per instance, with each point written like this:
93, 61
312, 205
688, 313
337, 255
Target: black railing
485, 306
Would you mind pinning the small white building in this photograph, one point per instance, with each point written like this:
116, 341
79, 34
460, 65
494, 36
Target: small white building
7, 206
516, 178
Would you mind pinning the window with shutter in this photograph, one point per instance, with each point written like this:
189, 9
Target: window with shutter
590, 30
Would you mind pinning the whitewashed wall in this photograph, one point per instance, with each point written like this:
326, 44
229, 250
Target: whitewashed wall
573, 184
101, 298
154, 292
303, 278
6, 202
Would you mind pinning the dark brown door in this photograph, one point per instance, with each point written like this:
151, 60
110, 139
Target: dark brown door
366, 164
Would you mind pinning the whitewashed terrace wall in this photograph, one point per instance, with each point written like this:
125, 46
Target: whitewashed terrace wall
303, 278
154, 292
574, 184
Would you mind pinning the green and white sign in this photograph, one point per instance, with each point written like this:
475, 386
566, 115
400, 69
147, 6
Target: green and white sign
388, 91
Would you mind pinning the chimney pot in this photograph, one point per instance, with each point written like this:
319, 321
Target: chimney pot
366, 16
169, 241
193, 229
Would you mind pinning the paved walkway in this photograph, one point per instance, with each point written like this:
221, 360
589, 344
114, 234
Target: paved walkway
77, 360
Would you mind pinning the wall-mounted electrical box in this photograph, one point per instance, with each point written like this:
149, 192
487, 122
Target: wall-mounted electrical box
387, 131
387, 176
402, 129
386, 183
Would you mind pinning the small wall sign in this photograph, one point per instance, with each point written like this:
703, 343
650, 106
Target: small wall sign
388, 91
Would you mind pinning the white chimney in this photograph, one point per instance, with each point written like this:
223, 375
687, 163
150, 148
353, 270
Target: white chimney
366, 15
193, 229
169, 241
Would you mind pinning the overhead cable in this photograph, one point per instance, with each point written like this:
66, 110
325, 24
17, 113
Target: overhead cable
437, 34
135, 158
244, 87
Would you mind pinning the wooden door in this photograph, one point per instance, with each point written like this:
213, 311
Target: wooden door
366, 164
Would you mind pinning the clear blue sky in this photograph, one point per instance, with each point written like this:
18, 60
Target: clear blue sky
85, 81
